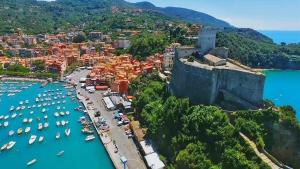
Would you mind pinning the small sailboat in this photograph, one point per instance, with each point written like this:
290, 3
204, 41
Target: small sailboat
46, 125
41, 138
31, 162
60, 153
40, 126
32, 139
27, 129
11, 132
20, 131
68, 132
89, 138
57, 136
10, 145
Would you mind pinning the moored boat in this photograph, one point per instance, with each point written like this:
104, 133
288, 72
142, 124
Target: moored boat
10, 145
89, 138
40, 126
41, 138
68, 132
5, 124
3, 147
57, 136
32, 139
31, 162
27, 129
11, 132
46, 125
60, 153
13, 115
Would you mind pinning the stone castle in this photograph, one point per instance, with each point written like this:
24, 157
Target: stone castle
212, 78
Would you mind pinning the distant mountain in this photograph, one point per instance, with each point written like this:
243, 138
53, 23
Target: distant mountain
184, 14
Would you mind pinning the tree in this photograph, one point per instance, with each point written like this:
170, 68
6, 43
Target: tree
38, 65
193, 157
79, 38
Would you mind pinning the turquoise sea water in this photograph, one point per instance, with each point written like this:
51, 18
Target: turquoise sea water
283, 88
78, 154
283, 36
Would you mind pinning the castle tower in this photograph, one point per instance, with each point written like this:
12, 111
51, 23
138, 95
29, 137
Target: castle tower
206, 39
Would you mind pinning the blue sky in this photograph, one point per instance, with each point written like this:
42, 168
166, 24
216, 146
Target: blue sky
257, 14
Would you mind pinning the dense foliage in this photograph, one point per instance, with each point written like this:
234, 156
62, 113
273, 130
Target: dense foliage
147, 44
257, 52
190, 137
21, 71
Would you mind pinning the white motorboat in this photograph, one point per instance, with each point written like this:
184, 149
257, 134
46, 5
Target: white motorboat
60, 153
56, 114
5, 124
25, 120
3, 147
26, 101
43, 110
10, 145
11, 132
18, 108
57, 136
31, 162
62, 113
45, 117
40, 126
41, 138
30, 120
58, 123
21, 102
32, 139
68, 132
89, 138
67, 112
1, 117
63, 122
46, 125
23, 107
31, 112
6, 117
27, 129
12, 108
13, 115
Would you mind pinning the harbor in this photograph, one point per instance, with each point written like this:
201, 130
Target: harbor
32, 132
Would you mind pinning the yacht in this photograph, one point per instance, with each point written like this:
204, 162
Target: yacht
89, 138
10, 145
32, 139
57, 135
40, 127
41, 138
31, 162
20, 131
27, 129
68, 132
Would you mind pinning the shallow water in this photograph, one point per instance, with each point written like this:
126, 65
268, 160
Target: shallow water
283, 88
78, 153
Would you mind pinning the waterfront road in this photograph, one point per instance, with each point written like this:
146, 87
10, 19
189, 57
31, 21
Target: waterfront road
126, 146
